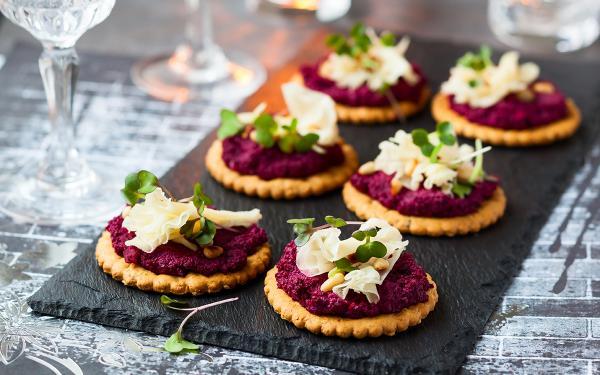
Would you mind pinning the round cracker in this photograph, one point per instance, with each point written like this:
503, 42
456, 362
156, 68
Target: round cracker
281, 188
193, 283
540, 135
373, 115
375, 326
366, 207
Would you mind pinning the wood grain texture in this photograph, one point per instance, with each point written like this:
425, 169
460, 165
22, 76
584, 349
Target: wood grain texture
471, 272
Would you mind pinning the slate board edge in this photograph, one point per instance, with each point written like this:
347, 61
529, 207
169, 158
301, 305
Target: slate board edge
510, 268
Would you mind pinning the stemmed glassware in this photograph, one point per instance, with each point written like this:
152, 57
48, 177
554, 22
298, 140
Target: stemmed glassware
61, 187
199, 70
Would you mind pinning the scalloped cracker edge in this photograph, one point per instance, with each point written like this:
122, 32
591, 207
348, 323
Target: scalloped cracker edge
366, 207
193, 283
280, 188
540, 135
375, 326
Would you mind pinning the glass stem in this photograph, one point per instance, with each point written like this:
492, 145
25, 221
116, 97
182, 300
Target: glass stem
61, 165
199, 57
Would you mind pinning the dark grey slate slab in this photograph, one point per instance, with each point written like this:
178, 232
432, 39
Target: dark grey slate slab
472, 272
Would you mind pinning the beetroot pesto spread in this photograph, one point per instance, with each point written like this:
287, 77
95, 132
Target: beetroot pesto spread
513, 113
248, 157
362, 96
422, 202
404, 286
175, 259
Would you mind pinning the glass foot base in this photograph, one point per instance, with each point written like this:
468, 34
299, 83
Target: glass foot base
161, 79
92, 199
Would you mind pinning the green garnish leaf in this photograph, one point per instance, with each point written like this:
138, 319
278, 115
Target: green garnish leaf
388, 39
206, 236
461, 190
200, 199
357, 43
306, 220
436, 150
344, 265
230, 124
177, 344
478, 167
477, 61
337, 43
370, 249
286, 143
372, 232
427, 149
364, 234
445, 133
168, 301
420, 137
335, 222
306, 142
302, 239
473, 83
359, 235
447, 139
137, 185
357, 30
265, 127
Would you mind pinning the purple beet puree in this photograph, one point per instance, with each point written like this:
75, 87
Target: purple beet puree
175, 259
512, 113
248, 157
404, 286
362, 96
422, 202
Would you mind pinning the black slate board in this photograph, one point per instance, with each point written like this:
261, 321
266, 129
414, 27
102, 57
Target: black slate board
471, 272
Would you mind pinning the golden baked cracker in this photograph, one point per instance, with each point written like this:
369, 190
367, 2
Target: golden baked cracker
280, 188
375, 326
374, 115
192, 283
366, 207
552, 132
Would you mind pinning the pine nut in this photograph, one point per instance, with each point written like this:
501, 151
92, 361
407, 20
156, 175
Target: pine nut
212, 252
381, 264
328, 285
367, 168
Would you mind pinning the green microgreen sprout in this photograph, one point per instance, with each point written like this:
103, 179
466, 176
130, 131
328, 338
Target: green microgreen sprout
369, 249
303, 228
230, 124
477, 61
344, 265
138, 184
445, 134
461, 190
355, 44
268, 133
176, 343
478, 168
291, 140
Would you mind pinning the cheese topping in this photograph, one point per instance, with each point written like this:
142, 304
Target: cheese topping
158, 220
380, 66
485, 87
324, 248
400, 157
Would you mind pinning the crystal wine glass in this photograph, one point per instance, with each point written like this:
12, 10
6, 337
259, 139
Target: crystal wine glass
199, 69
60, 188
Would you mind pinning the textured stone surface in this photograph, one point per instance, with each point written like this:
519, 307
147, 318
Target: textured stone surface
471, 272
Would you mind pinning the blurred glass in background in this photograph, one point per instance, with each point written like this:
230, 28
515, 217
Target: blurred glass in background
545, 25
